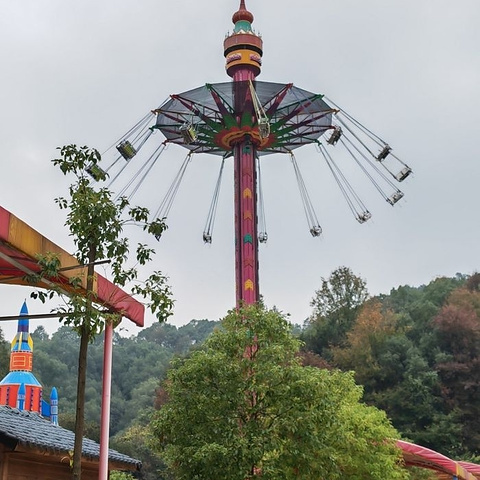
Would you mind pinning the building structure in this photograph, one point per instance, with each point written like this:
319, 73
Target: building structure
32, 448
30, 438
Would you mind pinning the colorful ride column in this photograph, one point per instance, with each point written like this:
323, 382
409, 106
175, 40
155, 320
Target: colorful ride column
243, 57
247, 119
244, 119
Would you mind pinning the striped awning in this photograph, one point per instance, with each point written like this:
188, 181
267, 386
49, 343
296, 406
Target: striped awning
19, 246
444, 467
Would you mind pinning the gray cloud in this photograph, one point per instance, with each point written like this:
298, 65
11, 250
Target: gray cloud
85, 72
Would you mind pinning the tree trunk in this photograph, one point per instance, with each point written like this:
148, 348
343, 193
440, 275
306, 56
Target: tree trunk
82, 369
80, 410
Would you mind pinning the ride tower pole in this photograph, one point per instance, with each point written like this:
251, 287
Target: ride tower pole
243, 51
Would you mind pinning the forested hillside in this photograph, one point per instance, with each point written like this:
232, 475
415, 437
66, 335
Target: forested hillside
416, 351
139, 363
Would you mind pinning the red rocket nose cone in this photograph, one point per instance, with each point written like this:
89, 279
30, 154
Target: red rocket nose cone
242, 14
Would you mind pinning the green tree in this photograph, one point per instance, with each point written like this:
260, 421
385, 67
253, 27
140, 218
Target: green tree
243, 406
395, 375
416, 353
136, 442
116, 475
368, 334
335, 306
458, 364
96, 223
40, 334
4, 355
438, 290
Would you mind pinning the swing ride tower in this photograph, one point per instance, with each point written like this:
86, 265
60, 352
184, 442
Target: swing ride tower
245, 120
243, 51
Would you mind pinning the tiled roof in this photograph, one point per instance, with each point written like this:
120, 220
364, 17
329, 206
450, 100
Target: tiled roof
30, 429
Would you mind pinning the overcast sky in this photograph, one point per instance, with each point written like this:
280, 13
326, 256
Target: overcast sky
84, 72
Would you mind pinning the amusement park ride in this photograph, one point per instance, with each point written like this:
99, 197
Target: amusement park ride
246, 119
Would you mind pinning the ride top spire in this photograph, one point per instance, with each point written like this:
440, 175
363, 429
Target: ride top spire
242, 14
243, 49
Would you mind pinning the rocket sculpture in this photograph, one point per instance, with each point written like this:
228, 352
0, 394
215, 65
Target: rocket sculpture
20, 388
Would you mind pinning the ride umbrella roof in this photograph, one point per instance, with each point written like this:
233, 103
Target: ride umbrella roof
222, 113
19, 246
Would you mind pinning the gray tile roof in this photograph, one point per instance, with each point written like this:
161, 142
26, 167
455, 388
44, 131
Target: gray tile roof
30, 429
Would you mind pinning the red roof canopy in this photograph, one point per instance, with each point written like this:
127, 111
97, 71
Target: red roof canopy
19, 245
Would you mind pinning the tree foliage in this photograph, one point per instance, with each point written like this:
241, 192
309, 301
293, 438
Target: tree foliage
117, 475
135, 441
335, 306
244, 406
96, 221
416, 352
341, 292
140, 362
368, 335
4, 355
458, 364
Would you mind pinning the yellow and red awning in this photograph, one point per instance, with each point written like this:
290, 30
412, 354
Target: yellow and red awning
19, 246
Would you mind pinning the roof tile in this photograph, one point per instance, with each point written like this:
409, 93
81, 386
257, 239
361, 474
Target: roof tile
30, 429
